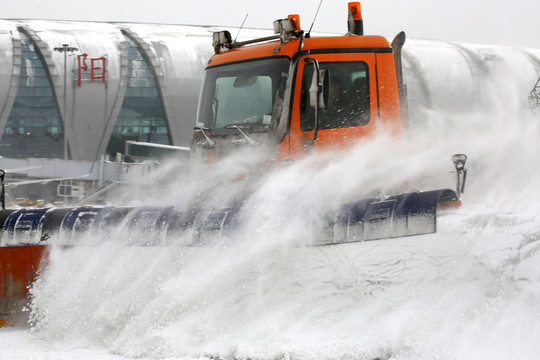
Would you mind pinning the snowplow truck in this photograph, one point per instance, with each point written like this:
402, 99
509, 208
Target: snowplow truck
295, 93
291, 92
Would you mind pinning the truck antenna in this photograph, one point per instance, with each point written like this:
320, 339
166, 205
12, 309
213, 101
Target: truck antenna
314, 18
241, 27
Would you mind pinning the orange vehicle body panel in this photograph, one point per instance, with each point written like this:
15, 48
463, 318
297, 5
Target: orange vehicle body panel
330, 139
19, 266
275, 48
390, 116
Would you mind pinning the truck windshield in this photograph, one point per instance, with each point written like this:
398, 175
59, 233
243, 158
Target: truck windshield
241, 94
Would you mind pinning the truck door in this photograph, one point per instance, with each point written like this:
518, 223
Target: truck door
351, 113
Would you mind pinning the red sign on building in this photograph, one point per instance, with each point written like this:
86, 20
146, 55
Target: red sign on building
97, 69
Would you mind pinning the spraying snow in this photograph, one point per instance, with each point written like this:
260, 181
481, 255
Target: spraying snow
468, 291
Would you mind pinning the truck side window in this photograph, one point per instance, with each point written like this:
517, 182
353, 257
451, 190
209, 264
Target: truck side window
348, 103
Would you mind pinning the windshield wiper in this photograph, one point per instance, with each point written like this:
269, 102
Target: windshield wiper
202, 129
249, 140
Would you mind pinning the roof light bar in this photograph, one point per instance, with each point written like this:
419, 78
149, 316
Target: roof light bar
287, 28
283, 25
220, 40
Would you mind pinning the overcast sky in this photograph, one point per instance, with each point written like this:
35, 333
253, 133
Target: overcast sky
511, 23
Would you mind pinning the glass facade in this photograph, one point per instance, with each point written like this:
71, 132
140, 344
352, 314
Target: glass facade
34, 126
142, 117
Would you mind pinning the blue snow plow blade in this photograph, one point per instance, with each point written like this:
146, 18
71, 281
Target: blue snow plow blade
367, 219
394, 216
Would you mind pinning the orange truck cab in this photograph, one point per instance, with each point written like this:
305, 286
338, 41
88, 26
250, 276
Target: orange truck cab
299, 92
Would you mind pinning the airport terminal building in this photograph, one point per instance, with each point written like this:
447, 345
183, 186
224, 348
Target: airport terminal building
78, 90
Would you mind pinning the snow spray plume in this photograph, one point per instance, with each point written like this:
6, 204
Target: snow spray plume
468, 291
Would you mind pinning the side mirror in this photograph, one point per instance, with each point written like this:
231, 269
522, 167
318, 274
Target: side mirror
318, 96
459, 163
319, 89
